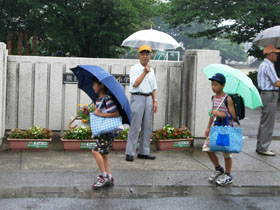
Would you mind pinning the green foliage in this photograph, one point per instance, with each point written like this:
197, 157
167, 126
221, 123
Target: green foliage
83, 112
34, 132
229, 50
82, 132
123, 134
246, 18
169, 132
254, 77
90, 28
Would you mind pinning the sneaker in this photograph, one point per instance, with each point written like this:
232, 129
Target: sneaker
224, 180
101, 181
110, 182
215, 175
267, 153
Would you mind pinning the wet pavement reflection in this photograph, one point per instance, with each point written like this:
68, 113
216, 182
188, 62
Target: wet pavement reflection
139, 192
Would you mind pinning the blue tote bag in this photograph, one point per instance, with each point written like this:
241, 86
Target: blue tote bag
225, 138
102, 125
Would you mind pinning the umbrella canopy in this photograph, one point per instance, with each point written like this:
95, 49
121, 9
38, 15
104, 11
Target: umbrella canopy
157, 40
270, 36
85, 74
236, 83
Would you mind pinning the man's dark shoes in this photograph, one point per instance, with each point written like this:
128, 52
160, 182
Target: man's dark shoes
129, 158
148, 157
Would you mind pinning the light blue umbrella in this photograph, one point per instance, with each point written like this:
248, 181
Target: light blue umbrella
236, 83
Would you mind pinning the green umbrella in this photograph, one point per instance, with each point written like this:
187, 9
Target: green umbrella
236, 83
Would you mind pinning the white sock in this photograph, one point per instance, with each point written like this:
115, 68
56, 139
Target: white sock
104, 175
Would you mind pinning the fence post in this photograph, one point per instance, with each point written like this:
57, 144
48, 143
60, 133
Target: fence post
3, 73
197, 100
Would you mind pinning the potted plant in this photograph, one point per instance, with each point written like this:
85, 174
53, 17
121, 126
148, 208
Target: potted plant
119, 143
35, 138
78, 139
82, 117
170, 138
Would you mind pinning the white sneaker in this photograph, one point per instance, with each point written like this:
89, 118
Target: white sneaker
224, 180
267, 153
101, 182
215, 175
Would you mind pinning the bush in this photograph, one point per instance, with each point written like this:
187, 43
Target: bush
83, 112
254, 77
169, 132
123, 134
34, 132
81, 132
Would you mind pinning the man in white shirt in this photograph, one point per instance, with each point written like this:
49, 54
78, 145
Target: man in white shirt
143, 101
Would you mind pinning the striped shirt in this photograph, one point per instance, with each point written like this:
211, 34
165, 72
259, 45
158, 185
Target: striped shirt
110, 107
218, 101
267, 76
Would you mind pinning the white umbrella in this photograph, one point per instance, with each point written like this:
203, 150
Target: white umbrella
157, 40
270, 36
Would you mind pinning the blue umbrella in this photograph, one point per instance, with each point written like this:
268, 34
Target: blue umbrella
85, 74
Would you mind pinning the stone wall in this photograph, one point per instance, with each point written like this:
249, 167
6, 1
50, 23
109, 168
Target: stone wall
33, 92
199, 92
36, 94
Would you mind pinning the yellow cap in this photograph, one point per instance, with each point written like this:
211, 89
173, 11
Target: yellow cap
145, 47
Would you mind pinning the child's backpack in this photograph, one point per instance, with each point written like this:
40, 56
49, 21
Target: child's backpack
238, 106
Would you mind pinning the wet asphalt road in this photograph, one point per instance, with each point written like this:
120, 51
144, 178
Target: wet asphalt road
140, 198
251, 123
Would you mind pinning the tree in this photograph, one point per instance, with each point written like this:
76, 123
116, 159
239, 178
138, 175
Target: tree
91, 28
246, 18
229, 50
19, 18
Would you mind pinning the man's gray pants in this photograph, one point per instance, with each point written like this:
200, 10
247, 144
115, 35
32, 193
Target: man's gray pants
266, 126
141, 115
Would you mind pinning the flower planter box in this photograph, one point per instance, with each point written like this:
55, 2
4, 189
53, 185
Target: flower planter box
175, 144
29, 144
119, 145
78, 144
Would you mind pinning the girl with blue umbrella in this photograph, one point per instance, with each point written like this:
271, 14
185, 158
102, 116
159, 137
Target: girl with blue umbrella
111, 102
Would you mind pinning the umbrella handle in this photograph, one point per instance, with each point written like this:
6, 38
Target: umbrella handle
69, 124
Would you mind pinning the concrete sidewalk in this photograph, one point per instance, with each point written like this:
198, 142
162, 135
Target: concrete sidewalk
57, 173
56, 179
171, 168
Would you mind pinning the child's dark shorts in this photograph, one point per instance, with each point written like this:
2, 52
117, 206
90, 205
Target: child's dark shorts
104, 144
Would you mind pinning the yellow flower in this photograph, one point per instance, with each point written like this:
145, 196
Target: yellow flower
79, 105
86, 105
